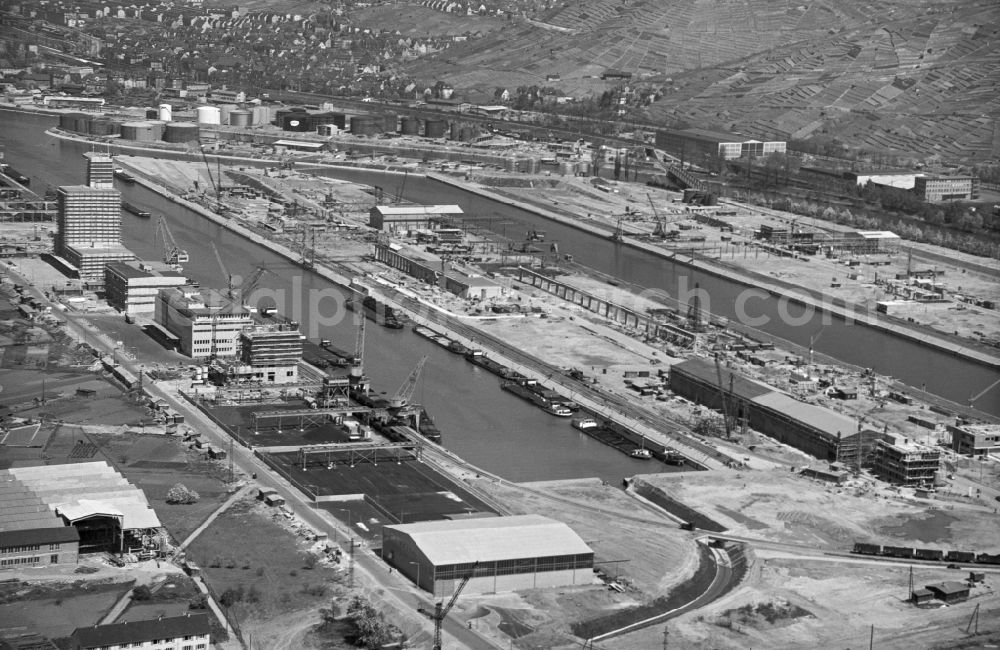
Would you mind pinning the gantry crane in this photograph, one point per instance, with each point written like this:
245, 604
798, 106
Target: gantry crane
172, 253
405, 392
440, 613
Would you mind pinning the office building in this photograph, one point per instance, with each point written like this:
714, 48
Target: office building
100, 171
975, 439
269, 354
132, 288
88, 230
935, 189
695, 145
904, 462
201, 330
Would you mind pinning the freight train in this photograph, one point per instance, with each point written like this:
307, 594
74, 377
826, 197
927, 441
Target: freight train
933, 554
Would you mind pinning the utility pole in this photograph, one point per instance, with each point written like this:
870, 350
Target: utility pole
230, 459
974, 619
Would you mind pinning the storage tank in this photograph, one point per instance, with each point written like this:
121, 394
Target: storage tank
140, 131
209, 115
365, 125
262, 115
435, 128
224, 111
410, 126
156, 128
72, 121
390, 123
456, 129
181, 132
104, 126
567, 168
533, 165
466, 134
340, 119
296, 121
152, 113
584, 167
510, 163
166, 112
240, 118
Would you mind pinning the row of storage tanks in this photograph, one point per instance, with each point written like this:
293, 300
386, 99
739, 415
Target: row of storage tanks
138, 130
300, 120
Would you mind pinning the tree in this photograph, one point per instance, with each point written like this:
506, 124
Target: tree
370, 626
180, 494
329, 615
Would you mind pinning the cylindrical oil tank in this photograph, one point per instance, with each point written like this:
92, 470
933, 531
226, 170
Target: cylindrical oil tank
224, 111
157, 127
104, 126
240, 118
297, 121
140, 131
316, 120
435, 128
466, 134
584, 167
261, 115
567, 168
390, 123
689, 194
72, 121
152, 113
209, 115
166, 112
410, 126
365, 125
455, 130
181, 132
340, 120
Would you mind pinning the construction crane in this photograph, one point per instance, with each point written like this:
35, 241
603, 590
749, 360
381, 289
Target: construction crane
357, 370
172, 253
215, 185
722, 396
440, 613
661, 223
405, 392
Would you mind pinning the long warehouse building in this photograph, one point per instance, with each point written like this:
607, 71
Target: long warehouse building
815, 430
502, 553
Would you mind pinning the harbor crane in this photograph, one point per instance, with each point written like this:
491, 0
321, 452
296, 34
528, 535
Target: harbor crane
172, 253
236, 287
661, 222
405, 392
357, 369
441, 612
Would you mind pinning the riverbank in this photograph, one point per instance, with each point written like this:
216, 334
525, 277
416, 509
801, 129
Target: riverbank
820, 304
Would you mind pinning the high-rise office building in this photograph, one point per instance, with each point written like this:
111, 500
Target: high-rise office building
100, 171
88, 233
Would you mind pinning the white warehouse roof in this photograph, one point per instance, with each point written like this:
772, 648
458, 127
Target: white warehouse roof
417, 210
492, 539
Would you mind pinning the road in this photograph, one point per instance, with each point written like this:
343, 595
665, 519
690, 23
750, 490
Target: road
399, 594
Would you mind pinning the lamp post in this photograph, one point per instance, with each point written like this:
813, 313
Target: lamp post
349, 525
417, 564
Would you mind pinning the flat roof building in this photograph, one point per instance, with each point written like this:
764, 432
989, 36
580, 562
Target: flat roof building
693, 145
270, 354
202, 331
88, 229
410, 217
975, 439
513, 553
812, 429
133, 288
935, 189
471, 286
903, 462
100, 171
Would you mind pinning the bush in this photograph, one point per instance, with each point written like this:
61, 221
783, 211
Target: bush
198, 602
142, 592
180, 494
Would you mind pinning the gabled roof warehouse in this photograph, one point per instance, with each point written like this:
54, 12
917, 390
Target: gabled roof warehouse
513, 553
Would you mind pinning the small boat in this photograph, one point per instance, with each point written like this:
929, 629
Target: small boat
559, 409
584, 423
641, 453
124, 176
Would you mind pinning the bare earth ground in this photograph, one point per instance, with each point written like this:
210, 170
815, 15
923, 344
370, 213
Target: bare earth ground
576, 196
760, 504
